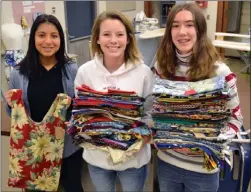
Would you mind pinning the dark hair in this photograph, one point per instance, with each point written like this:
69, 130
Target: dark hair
204, 53
30, 66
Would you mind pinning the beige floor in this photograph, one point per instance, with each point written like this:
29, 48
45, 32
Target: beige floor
243, 84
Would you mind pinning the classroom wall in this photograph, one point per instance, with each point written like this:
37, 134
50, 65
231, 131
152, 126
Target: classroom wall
101, 6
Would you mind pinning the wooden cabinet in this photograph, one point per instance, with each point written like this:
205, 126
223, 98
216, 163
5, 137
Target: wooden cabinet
165, 7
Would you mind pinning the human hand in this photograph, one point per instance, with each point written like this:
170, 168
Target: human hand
8, 96
146, 139
69, 101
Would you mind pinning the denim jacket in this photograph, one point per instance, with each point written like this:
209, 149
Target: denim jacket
18, 81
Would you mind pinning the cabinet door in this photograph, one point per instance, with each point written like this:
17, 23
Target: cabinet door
80, 17
166, 6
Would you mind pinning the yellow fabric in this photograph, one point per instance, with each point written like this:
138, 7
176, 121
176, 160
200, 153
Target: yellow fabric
116, 156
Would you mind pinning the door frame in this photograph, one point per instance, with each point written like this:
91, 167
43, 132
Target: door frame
67, 40
148, 8
221, 23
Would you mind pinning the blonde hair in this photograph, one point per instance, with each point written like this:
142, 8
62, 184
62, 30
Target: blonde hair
131, 52
204, 54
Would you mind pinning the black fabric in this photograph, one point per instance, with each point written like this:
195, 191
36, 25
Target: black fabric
71, 171
42, 91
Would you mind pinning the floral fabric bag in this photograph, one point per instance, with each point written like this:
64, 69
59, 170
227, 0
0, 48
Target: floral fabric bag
36, 148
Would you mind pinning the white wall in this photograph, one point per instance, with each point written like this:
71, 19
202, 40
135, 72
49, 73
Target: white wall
101, 6
59, 7
59, 11
6, 10
139, 7
211, 17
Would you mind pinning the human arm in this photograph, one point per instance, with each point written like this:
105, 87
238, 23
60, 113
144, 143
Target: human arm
13, 84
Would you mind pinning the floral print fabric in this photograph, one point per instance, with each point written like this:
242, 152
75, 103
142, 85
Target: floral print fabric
12, 58
36, 148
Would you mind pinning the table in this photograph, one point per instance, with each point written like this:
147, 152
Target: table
148, 43
243, 47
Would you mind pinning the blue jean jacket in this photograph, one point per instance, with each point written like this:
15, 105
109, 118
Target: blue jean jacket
18, 81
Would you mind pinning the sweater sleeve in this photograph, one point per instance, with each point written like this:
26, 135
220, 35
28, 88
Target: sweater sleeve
235, 121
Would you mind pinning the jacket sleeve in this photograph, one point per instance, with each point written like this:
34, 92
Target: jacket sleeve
148, 89
74, 69
13, 84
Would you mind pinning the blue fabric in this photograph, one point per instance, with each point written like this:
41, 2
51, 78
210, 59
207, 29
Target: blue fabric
175, 179
105, 180
110, 100
18, 81
13, 57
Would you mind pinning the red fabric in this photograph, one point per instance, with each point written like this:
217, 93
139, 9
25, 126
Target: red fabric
29, 168
109, 92
98, 102
233, 127
230, 77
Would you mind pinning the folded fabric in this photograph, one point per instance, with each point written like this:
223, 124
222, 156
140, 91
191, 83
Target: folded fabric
86, 88
184, 88
108, 121
190, 115
116, 156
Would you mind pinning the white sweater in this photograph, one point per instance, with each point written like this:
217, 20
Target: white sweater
129, 77
235, 121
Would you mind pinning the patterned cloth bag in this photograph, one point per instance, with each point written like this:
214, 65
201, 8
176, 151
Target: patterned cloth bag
36, 148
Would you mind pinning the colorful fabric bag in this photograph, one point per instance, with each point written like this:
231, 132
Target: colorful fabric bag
36, 148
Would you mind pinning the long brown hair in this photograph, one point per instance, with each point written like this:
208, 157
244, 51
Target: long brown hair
132, 52
204, 54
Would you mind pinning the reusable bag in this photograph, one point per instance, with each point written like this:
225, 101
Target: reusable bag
36, 148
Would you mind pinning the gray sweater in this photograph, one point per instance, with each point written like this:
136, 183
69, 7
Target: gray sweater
18, 81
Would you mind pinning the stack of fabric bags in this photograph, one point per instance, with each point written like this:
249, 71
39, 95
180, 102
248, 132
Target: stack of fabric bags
108, 121
191, 115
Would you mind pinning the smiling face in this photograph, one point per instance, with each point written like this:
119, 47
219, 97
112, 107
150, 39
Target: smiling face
183, 32
113, 39
47, 40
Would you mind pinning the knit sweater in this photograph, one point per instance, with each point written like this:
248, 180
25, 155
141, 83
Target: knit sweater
235, 121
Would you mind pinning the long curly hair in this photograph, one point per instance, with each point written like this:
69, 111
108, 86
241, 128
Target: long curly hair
204, 54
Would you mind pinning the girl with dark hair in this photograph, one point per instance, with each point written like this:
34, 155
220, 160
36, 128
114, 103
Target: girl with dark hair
45, 72
187, 54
